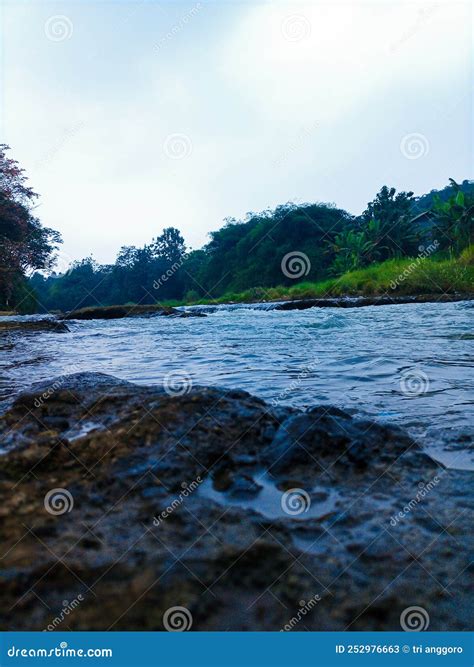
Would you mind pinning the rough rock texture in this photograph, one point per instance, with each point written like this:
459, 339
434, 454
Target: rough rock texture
360, 301
117, 312
32, 325
126, 453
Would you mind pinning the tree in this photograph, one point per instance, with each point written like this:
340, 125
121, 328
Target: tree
351, 249
454, 219
169, 245
25, 245
392, 212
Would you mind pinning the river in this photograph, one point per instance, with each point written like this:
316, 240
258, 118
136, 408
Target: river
406, 364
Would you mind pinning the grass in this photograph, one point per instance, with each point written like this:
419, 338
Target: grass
397, 277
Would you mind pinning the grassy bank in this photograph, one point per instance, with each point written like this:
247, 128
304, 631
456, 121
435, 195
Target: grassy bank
399, 277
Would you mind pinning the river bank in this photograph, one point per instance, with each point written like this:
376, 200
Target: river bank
424, 279
202, 308
118, 312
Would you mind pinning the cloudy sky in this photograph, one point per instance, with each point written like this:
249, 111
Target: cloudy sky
133, 116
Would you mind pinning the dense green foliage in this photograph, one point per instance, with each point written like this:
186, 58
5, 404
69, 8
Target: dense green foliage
276, 251
25, 245
139, 275
396, 277
254, 255
425, 202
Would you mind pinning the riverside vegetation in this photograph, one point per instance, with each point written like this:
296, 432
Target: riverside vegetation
400, 244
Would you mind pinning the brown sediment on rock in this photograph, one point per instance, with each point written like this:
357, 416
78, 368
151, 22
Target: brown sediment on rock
133, 542
116, 312
25, 325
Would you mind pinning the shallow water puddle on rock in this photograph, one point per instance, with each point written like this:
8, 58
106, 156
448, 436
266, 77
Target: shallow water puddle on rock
82, 429
271, 502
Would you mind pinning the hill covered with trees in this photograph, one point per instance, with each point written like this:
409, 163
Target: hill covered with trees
319, 240
284, 247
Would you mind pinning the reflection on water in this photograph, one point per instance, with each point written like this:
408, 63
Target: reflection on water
272, 503
354, 358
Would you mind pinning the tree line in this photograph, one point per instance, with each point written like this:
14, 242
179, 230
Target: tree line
242, 254
25, 245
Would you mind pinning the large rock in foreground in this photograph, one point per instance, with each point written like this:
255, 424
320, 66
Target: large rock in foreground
120, 503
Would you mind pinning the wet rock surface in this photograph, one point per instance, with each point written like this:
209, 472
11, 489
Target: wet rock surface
102, 491
118, 312
361, 301
25, 326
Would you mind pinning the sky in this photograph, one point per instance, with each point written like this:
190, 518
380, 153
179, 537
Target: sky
134, 116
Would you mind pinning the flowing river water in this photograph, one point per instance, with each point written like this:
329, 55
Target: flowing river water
406, 364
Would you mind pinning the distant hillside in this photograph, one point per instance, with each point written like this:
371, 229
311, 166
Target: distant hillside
425, 202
